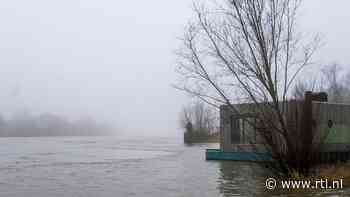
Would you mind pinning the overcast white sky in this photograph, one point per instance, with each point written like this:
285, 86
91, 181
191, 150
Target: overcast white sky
114, 60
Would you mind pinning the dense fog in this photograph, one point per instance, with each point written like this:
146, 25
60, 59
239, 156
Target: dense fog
26, 125
112, 61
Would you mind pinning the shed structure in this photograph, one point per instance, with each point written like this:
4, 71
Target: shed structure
330, 121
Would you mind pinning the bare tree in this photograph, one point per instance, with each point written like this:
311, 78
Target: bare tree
199, 118
302, 86
331, 79
335, 83
249, 51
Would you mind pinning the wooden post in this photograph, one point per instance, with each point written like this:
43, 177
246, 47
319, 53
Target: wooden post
307, 118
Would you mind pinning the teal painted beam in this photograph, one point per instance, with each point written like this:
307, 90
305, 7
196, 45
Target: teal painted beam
217, 154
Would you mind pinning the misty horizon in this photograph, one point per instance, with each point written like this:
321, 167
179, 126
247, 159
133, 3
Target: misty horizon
115, 61
172, 98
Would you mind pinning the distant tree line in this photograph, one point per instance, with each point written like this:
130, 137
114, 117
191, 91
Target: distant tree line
27, 125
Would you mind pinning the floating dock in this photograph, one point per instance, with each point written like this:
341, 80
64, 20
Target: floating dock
217, 154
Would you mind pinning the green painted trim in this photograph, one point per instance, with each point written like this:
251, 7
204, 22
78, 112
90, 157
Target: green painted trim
338, 134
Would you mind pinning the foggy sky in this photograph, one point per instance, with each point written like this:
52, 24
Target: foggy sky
114, 60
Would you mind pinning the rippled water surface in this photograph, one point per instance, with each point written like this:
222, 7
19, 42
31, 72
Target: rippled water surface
111, 166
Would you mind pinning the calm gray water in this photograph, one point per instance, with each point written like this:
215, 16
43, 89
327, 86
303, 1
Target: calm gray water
110, 166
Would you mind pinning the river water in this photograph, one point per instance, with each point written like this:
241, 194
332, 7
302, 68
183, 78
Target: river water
113, 167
